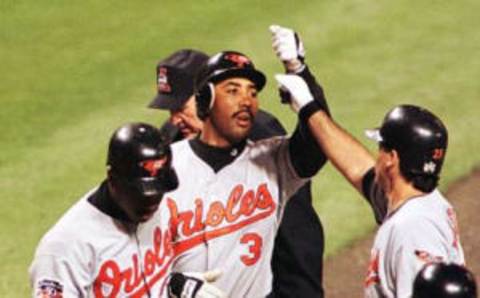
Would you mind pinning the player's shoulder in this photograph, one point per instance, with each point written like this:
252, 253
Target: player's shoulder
425, 206
181, 154
180, 146
270, 142
266, 145
81, 223
425, 211
266, 126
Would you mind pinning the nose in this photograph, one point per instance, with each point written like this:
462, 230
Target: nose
246, 99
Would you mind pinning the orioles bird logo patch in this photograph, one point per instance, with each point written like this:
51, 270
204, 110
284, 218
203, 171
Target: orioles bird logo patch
153, 165
239, 60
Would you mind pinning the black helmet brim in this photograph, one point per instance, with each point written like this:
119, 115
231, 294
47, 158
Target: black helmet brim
257, 77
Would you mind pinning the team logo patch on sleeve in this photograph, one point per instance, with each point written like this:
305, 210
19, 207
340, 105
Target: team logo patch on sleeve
49, 289
426, 257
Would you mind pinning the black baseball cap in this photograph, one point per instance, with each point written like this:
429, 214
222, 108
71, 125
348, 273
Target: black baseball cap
175, 78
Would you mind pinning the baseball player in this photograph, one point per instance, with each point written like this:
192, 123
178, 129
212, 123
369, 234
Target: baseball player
108, 244
418, 224
441, 280
232, 190
298, 248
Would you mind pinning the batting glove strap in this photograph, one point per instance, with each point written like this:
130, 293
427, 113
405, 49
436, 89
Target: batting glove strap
183, 286
308, 110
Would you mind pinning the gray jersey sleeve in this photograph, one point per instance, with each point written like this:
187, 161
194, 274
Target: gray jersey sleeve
61, 264
52, 274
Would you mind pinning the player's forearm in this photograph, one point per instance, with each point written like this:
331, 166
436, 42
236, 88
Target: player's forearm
350, 157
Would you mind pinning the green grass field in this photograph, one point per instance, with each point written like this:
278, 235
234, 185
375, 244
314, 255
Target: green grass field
74, 71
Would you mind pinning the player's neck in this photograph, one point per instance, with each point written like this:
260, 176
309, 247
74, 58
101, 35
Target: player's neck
401, 192
211, 137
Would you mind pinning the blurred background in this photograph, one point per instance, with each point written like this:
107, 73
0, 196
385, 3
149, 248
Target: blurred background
73, 71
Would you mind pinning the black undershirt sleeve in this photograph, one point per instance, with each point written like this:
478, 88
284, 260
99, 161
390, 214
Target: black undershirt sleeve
375, 196
306, 156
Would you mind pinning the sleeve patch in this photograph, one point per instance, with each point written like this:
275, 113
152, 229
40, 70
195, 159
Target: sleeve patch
49, 289
426, 257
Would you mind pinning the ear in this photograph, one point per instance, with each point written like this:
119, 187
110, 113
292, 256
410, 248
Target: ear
110, 179
393, 160
109, 172
111, 183
113, 179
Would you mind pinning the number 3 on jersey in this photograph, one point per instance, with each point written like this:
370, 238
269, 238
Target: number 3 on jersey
254, 243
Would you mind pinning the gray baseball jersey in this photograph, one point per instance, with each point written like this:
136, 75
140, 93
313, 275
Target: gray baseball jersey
423, 230
90, 254
228, 219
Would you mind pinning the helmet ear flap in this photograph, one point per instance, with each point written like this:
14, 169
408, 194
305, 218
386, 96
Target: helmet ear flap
205, 99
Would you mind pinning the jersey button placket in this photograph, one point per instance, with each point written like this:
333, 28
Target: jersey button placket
210, 197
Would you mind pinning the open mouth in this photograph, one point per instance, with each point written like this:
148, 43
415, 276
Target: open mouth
243, 118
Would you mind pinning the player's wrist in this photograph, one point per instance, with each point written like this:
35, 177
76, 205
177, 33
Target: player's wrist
294, 66
308, 110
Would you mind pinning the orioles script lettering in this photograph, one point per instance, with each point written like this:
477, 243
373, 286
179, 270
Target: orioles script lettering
240, 204
114, 279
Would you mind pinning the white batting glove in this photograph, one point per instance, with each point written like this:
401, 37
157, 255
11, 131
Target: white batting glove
297, 89
195, 285
289, 48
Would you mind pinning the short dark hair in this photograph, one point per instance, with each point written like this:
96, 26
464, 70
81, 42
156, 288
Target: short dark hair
422, 182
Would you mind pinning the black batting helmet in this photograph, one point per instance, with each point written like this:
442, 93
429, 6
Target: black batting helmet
419, 137
139, 154
442, 280
219, 67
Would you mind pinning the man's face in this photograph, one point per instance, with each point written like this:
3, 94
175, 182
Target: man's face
234, 109
138, 207
186, 119
141, 208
